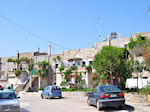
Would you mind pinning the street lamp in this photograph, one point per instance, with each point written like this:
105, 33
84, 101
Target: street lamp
137, 66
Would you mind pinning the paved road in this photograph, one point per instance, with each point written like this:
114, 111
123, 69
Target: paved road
34, 103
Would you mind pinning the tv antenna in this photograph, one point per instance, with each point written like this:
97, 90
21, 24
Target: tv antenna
99, 24
148, 9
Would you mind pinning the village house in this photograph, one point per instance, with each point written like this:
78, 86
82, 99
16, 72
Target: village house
78, 57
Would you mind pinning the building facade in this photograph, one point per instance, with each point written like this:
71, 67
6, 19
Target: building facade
78, 57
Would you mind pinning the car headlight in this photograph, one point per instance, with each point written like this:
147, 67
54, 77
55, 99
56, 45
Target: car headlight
16, 105
1, 107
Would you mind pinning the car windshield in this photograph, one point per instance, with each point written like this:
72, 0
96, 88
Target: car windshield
9, 95
110, 89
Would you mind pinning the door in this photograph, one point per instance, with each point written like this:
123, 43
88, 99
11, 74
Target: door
44, 92
95, 96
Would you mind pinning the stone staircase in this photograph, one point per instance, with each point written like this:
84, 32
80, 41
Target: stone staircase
28, 84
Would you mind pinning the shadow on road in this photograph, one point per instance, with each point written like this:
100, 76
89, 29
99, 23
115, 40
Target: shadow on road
128, 108
56, 98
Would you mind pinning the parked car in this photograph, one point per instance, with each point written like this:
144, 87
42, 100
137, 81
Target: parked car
106, 96
9, 102
51, 92
6, 89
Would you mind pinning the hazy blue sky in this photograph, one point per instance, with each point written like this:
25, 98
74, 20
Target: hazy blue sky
72, 24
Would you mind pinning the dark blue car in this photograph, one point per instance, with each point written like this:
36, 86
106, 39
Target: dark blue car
105, 96
51, 92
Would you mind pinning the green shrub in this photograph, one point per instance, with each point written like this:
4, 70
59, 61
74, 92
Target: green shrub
61, 68
67, 89
73, 89
41, 88
145, 90
129, 90
88, 89
17, 72
63, 83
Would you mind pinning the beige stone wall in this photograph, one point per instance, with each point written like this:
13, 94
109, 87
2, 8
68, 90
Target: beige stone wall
28, 55
144, 34
115, 42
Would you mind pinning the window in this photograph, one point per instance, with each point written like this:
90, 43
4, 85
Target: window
55, 88
95, 90
83, 63
134, 77
21, 67
56, 66
145, 77
90, 62
143, 38
109, 89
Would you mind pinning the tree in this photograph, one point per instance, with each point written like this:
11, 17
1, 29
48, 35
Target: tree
23, 60
110, 62
43, 68
140, 46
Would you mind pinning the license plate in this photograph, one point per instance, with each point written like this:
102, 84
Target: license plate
56, 91
113, 95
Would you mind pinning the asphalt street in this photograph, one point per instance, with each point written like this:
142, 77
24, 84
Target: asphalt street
34, 103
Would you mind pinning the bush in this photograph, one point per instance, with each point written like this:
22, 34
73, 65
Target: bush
73, 89
129, 90
145, 90
17, 72
63, 83
41, 88
67, 89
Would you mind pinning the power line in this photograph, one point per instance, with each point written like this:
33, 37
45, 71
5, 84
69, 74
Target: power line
31, 33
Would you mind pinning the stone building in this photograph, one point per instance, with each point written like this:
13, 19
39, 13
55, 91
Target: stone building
78, 57
25, 81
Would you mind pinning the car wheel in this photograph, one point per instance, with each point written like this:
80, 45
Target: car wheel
89, 102
121, 107
60, 96
41, 96
97, 106
48, 97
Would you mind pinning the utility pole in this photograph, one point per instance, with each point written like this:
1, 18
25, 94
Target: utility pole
109, 39
137, 66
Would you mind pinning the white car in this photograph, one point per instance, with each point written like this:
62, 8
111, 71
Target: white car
9, 102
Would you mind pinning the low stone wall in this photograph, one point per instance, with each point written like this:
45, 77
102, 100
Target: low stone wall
134, 98
3, 82
75, 94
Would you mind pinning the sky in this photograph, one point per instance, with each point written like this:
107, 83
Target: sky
26, 25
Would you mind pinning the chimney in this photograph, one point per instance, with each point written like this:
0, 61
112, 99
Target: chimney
108, 36
18, 54
120, 36
49, 50
38, 49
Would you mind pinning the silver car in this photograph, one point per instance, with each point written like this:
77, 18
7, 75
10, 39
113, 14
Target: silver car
106, 96
9, 102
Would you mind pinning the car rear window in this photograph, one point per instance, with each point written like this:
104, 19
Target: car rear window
109, 89
56, 88
9, 95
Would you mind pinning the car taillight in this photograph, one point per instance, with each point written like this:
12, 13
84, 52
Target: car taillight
104, 96
121, 94
51, 91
